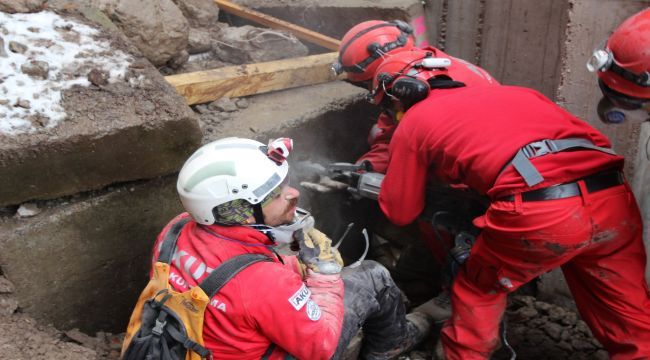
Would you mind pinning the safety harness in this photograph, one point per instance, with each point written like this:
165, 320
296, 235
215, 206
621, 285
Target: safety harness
527, 170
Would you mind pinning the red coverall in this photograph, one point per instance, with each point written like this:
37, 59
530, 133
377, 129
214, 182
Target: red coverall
263, 304
381, 133
468, 135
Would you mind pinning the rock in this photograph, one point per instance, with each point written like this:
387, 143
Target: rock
241, 103
553, 330
556, 313
565, 346
3, 53
8, 305
223, 104
81, 338
247, 44
201, 109
21, 6
581, 345
524, 300
156, 27
538, 322
582, 328
199, 12
23, 104
199, 41
178, 60
6, 287
36, 68
601, 355
28, 210
17, 47
98, 77
542, 306
523, 314
569, 319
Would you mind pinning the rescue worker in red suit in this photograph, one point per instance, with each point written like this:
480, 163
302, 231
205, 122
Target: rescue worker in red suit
558, 199
237, 193
623, 68
362, 49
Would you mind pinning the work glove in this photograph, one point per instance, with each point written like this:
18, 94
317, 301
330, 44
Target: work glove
316, 252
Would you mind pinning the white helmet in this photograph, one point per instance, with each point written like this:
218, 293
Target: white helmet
231, 169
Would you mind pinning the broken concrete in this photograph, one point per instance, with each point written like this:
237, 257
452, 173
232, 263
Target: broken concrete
334, 18
98, 143
248, 44
21, 6
89, 255
156, 27
518, 49
199, 12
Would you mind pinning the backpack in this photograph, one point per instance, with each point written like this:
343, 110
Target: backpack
167, 324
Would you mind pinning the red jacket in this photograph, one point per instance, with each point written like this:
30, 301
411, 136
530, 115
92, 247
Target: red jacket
381, 133
267, 303
467, 135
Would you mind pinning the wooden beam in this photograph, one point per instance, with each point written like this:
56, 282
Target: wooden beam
275, 23
242, 80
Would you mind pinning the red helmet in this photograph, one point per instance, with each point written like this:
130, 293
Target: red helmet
363, 46
410, 75
624, 64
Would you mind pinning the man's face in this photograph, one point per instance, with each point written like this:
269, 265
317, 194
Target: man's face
281, 210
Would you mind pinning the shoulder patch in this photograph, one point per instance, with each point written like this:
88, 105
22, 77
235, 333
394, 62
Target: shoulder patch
313, 310
300, 298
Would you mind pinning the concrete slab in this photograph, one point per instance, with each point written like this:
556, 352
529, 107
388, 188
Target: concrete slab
136, 128
334, 18
517, 41
83, 260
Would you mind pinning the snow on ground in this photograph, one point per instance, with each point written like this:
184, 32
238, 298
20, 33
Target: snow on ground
69, 50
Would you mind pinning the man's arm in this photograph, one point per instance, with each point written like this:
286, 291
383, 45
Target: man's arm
302, 318
401, 196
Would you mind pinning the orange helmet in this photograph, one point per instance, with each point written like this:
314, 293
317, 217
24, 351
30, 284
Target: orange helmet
624, 64
363, 46
410, 75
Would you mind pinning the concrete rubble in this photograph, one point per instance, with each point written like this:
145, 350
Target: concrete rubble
88, 183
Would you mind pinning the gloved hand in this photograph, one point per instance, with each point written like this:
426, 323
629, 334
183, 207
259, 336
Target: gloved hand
317, 253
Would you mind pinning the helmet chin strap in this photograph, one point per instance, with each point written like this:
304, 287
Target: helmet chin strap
258, 214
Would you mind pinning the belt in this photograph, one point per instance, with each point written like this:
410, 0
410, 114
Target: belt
596, 182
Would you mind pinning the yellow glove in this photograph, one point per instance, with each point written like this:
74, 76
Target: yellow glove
317, 253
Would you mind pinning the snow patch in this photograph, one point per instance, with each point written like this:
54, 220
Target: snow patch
70, 51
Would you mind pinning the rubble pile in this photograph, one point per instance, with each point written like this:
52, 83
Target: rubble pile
539, 330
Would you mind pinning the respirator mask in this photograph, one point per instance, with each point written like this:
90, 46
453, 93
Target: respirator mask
283, 234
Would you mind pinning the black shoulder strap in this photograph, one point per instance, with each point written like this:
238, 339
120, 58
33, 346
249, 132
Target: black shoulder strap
169, 241
227, 270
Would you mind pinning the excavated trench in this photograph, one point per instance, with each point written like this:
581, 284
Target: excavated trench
535, 329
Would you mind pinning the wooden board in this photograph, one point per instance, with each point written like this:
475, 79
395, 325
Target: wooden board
275, 23
242, 80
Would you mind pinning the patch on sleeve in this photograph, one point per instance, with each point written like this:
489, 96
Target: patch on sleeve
313, 310
300, 298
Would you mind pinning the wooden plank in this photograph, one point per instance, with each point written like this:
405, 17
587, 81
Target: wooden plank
242, 80
275, 23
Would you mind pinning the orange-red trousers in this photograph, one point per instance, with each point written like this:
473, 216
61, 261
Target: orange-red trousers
595, 238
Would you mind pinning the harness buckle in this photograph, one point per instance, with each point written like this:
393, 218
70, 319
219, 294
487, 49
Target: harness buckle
158, 329
539, 148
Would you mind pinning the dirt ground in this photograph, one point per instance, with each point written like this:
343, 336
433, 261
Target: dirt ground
536, 331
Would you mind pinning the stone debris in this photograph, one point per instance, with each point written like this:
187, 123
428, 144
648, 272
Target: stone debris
36, 68
248, 44
17, 47
224, 104
6, 287
199, 41
98, 77
242, 103
199, 12
28, 210
3, 52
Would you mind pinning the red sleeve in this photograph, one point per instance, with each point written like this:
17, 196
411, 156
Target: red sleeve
401, 196
302, 318
379, 138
